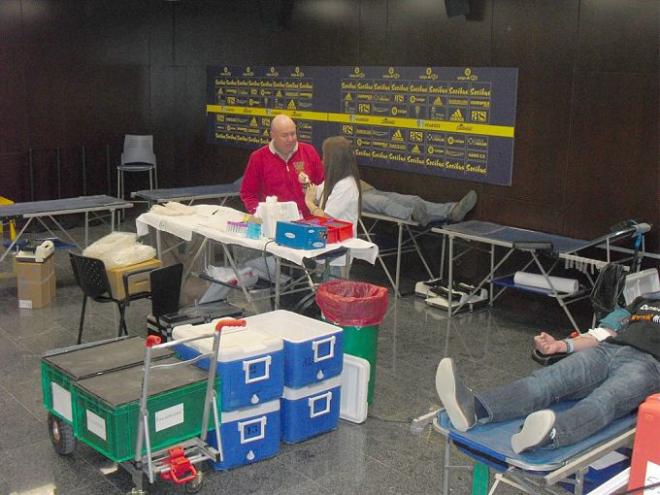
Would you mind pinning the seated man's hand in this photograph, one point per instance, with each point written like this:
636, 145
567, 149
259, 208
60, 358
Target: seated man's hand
547, 344
303, 178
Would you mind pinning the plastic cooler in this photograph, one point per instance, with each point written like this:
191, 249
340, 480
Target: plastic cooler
250, 363
248, 435
61, 368
310, 410
108, 405
359, 308
313, 350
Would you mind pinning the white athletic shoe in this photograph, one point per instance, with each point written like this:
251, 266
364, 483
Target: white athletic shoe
537, 430
457, 399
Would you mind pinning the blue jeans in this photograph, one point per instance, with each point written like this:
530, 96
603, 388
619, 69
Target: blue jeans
405, 206
609, 381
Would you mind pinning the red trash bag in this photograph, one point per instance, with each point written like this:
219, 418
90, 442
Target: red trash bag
350, 303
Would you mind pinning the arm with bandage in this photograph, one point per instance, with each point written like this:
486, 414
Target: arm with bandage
607, 327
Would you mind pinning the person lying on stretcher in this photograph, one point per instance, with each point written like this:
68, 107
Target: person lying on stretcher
609, 371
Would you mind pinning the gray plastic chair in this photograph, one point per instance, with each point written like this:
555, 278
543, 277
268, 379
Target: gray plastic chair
137, 156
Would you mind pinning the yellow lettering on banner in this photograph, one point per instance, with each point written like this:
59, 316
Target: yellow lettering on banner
457, 115
457, 127
416, 136
396, 136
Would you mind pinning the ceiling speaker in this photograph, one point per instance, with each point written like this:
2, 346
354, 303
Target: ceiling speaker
457, 7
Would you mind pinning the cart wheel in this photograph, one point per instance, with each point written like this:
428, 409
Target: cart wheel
61, 434
195, 485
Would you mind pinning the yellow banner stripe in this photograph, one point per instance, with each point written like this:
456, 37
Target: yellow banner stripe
346, 118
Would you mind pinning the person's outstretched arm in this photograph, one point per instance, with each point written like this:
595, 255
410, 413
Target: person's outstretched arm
547, 344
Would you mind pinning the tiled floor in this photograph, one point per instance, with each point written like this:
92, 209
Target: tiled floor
380, 456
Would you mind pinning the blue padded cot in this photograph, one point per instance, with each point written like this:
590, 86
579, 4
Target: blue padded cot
540, 470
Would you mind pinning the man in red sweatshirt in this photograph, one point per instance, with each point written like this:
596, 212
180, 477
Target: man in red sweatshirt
274, 169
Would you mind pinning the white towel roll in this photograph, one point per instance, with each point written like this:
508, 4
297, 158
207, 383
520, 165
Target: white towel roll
560, 284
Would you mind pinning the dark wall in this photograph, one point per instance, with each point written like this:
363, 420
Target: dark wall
77, 76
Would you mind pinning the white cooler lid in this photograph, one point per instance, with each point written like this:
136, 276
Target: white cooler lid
313, 389
354, 389
291, 326
249, 412
235, 342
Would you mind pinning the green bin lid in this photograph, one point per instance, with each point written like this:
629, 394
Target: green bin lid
93, 359
124, 386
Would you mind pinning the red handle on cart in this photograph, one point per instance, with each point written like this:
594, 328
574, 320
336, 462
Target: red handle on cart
181, 470
229, 323
152, 340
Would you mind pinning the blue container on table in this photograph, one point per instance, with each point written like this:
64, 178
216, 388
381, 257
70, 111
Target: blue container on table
300, 236
310, 411
250, 363
248, 435
313, 349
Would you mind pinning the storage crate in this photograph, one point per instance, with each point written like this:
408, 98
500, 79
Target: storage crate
248, 435
311, 410
107, 408
313, 350
250, 363
62, 367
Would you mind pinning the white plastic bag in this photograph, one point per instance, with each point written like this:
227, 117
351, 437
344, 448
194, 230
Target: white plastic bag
216, 292
111, 242
119, 249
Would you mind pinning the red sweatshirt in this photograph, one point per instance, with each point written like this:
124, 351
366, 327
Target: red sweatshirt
267, 174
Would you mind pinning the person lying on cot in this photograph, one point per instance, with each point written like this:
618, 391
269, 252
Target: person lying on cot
409, 207
610, 370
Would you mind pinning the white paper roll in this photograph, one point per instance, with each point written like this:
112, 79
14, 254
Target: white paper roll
560, 284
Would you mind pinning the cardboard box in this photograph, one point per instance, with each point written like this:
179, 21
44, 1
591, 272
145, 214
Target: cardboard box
137, 283
35, 283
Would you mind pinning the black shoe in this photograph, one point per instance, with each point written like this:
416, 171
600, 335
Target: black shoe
537, 431
463, 207
457, 399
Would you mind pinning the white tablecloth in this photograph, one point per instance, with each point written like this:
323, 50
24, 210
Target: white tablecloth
184, 226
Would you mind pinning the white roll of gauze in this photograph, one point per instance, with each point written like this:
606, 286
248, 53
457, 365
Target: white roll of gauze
560, 284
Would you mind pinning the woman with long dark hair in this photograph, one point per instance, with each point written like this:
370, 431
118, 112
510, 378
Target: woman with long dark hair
339, 195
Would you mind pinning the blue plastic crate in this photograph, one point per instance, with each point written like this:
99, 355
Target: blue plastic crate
248, 435
310, 411
250, 363
313, 349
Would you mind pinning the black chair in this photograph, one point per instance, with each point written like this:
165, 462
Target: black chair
165, 295
91, 277
165, 310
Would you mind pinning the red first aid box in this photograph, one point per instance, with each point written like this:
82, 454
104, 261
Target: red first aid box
338, 230
646, 451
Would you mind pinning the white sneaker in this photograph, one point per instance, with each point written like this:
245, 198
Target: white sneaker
537, 431
457, 399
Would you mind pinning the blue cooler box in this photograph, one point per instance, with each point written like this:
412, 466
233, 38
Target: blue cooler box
311, 410
250, 363
313, 349
248, 435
